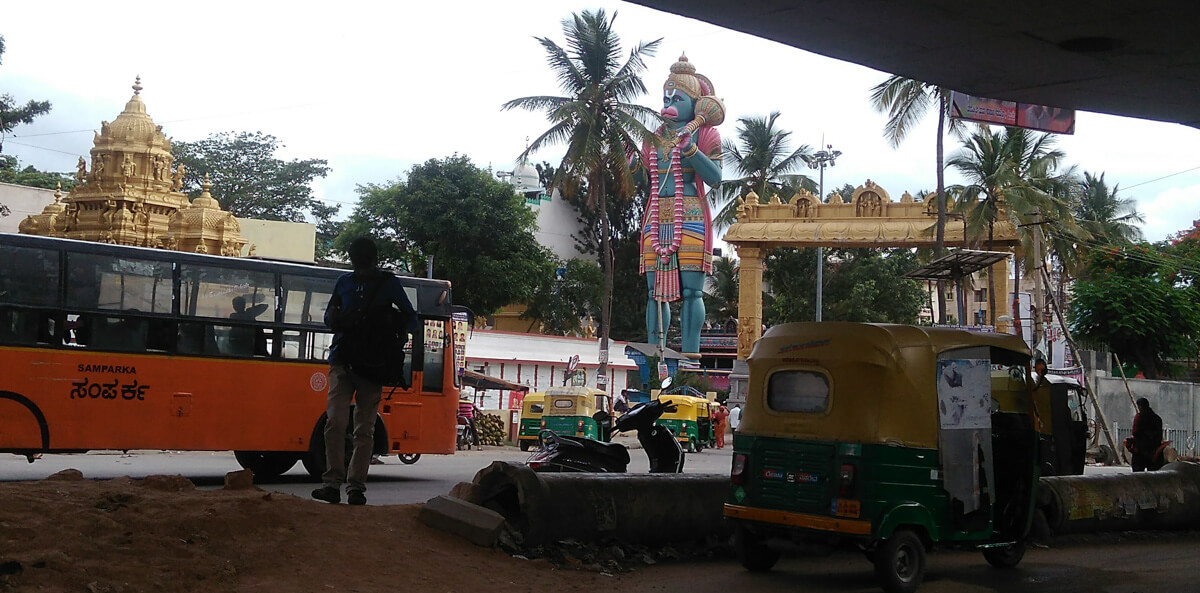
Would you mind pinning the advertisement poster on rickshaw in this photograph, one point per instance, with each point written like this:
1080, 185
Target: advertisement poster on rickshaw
964, 393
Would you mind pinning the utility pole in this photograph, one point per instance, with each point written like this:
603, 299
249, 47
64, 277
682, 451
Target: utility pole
826, 156
1039, 295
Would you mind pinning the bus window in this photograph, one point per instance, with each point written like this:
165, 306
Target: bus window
124, 334
29, 276
304, 299
306, 345
103, 282
210, 291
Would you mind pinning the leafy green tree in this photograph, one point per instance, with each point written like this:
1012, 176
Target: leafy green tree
1130, 299
864, 285
13, 114
561, 303
766, 164
249, 181
469, 227
596, 119
906, 101
12, 172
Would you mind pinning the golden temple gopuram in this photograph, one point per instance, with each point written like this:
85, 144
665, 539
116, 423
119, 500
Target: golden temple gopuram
132, 195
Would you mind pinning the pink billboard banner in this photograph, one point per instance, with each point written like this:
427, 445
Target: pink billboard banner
983, 110
1043, 118
1046, 119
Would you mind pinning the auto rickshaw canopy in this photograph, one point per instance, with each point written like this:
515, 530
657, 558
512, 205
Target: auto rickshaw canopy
881, 379
575, 401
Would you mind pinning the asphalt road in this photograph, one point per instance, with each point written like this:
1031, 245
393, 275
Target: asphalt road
390, 483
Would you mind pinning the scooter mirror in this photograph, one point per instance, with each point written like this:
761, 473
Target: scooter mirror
600, 416
666, 383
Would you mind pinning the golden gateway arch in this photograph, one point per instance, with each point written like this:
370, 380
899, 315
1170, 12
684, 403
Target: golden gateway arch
870, 219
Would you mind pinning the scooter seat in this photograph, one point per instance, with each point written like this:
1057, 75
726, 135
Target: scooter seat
614, 451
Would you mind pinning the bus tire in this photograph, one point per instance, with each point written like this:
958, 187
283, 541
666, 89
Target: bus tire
314, 459
900, 562
266, 465
1006, 557
409, 458
753, 552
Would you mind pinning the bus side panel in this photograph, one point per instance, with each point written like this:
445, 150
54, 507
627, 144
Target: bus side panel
99, 400
420, 423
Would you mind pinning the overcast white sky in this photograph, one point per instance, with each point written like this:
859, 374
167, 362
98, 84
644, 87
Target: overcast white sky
375, 87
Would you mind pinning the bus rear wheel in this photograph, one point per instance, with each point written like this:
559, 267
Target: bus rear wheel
1006, 557
266, 465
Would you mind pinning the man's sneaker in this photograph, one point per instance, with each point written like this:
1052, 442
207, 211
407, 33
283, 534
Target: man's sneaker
328, 494
356, 498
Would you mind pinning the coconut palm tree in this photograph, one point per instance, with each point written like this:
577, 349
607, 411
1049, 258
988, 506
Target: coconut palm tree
597, 121
906, 101
1108, 217
762, 157
1012, 173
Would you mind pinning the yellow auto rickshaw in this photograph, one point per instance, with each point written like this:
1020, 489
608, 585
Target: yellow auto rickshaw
571, 411
889, 438
690, 422
531, 419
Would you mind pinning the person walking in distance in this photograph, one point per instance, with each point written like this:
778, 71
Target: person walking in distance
735, 419
350, 313
720, 418
1147, 438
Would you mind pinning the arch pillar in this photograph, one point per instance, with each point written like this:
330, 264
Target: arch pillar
749, 298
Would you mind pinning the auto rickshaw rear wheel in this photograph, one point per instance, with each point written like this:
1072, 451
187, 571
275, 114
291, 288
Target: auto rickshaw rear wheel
1005, 557
525, 445
900, 562
753, 552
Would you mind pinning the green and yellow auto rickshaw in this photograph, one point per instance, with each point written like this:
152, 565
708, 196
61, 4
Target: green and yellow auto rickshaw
890, 438
690, 422
531, 420
570, 411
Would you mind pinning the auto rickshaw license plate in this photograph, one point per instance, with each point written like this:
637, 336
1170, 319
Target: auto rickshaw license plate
846, 508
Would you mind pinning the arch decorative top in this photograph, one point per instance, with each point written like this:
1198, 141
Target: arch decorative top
869, 219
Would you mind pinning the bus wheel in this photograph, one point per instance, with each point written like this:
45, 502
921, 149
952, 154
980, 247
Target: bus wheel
409, 458
900, 562
753, 552
266, 465
1006, 557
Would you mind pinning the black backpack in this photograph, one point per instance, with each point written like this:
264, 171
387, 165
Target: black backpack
373, 339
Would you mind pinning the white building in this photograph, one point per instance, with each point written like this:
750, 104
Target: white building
22, 201
539, 361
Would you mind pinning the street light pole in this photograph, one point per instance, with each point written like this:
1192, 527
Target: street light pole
828, 156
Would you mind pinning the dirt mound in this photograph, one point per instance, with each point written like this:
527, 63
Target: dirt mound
160, 534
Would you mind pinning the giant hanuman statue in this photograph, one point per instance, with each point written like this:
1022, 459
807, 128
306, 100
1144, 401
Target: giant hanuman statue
132, 195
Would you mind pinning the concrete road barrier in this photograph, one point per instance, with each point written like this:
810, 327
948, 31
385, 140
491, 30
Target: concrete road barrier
634, 508
1164, 499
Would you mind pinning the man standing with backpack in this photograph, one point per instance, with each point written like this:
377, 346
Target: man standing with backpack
361, 314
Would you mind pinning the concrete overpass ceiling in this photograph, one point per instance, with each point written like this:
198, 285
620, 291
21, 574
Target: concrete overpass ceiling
1137, 59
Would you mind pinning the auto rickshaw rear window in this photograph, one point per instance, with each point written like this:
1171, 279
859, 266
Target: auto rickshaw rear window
564, 403
535, 409
798, 391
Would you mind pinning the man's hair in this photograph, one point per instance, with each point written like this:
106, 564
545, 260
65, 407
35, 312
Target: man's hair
363, 253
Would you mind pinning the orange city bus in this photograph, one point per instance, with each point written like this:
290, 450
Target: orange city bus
111, 347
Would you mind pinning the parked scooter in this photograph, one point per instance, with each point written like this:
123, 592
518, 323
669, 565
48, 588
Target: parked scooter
562, 453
